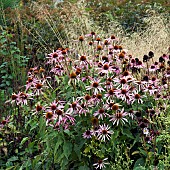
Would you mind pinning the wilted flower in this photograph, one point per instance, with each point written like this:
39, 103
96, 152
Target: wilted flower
4, 122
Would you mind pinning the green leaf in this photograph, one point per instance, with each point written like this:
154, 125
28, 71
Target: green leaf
59, 156
127, 133
83, 167
10, 168
3, 40
38, 165
67, 148
63, 163
67, 132
21, 168
57, 79
58, 144
135, 152
77, 151
139, 168
24, 140
139, 163
8, 83
34, 125
161, 165
12, 159
87, 149
4, 77
88, 9
3, 71
4, 52
10, 77
143, 152
3, 85
42, 128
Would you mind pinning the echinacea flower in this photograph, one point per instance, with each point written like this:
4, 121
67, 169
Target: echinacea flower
105, 69
81, 38
110, 94
154, 81
83, 62
108, 104
104, 132
100, 113
39, 86
74, 108
123, 93
38, 89
96, 99
116, 106
120, 81
95, 87
88, 100
14, 98
126, 75
31, 81
148, 139
118, 117
109, 84
101, 163
38, 108
23, 98
136, 97
131, 113
58, 70
87, 134
151, 89
153, 68
33, 71
53, 57
139, 65
50, 117
140, 84
99, 47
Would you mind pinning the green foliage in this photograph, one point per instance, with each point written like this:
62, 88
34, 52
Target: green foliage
26, 142
12, 63
129, 14
5, 5
9, 3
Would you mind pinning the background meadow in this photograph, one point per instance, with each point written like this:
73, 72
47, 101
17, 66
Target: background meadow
84, 84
